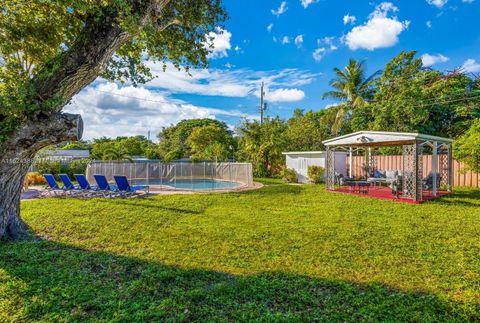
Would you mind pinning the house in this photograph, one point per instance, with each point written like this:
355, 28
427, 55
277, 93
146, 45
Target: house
299, 161
67, 154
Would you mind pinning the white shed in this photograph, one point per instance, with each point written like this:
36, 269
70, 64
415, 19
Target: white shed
300, 160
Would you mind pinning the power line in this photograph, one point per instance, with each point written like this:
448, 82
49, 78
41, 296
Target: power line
415, 106
133, 97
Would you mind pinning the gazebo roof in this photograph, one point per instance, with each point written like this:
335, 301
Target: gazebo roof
382, 138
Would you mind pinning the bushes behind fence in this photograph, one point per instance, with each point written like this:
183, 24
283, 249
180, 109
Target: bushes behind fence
55, 167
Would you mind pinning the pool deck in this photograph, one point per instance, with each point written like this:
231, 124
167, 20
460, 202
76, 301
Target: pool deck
35, 191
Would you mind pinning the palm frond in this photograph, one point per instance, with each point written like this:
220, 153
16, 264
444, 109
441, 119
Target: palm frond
334, 95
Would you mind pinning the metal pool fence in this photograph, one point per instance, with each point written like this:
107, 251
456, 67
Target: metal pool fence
167, 174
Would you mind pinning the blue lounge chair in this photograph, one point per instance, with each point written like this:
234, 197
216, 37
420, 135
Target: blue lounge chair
68, 186
85, 185
125, 189
52, 186
108, 190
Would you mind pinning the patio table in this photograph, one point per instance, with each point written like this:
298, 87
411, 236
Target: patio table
359, 186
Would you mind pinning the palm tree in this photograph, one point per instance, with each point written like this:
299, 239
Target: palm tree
352, 88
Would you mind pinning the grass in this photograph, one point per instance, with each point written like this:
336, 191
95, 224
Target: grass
280, 253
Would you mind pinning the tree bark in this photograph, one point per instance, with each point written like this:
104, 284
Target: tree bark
17, 156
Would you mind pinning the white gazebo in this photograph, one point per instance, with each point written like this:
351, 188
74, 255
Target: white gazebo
412, 145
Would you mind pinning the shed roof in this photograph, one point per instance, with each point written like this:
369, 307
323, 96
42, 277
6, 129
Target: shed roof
381, 138
319, 152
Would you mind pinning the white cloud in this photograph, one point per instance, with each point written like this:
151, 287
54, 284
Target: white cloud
380, 31
429, 60
325, 46
237, 48
281, 10
306, 3
220, 39
283, 95
299, 40
429, 24
226, 83
347, 19
471, 66
468, 1
270, 27
285, 40
437, 3
319, 54
110, 110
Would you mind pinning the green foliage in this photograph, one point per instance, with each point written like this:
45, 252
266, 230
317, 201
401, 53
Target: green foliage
410, 98
353, 88
281, 253
307, 130
46, 166
176, 141
315, 174
288, 175
79, 145
55, 167
210, 142
467, 148
123, 148
38, 34
262, 145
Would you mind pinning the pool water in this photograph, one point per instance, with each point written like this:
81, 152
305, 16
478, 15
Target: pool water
195, 184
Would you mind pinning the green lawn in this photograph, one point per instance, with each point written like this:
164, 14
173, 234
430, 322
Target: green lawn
283, 252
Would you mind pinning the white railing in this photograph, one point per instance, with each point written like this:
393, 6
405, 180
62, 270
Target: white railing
158, 173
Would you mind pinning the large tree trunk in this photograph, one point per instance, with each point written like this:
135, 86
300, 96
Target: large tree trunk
16, 157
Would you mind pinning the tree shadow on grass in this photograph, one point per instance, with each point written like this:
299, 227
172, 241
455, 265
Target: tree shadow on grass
461, 197
147, 203
275, 190
45, 280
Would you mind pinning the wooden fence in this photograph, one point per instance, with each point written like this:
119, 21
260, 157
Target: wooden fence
395, 162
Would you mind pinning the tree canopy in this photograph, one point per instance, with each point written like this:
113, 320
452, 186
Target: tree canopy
411, 98
123, 148
194, 138
50, 50
352, 87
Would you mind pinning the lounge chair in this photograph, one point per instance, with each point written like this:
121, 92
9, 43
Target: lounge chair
85, 185
108, 190
52, 186
427, 182
69, 187
125, 189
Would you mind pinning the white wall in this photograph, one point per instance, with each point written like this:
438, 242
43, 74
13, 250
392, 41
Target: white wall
300, 162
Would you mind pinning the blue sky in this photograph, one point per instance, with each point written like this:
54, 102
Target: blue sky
292, 46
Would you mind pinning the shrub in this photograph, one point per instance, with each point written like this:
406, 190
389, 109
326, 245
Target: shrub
55, 167
45, 166
78, 166
289, 175
315, 174
34, 178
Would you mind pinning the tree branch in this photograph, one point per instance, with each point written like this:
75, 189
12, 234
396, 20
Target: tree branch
73, 70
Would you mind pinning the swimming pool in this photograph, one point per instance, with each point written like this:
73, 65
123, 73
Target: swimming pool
194, 184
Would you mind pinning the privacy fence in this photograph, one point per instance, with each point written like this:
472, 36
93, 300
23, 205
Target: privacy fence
395, 162
158, 173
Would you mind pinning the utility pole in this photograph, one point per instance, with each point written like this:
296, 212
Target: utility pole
263, 105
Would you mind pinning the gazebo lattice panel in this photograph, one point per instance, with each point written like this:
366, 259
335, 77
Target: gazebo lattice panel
443, 171
409, 167
371, 160
419, 163
330, 163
